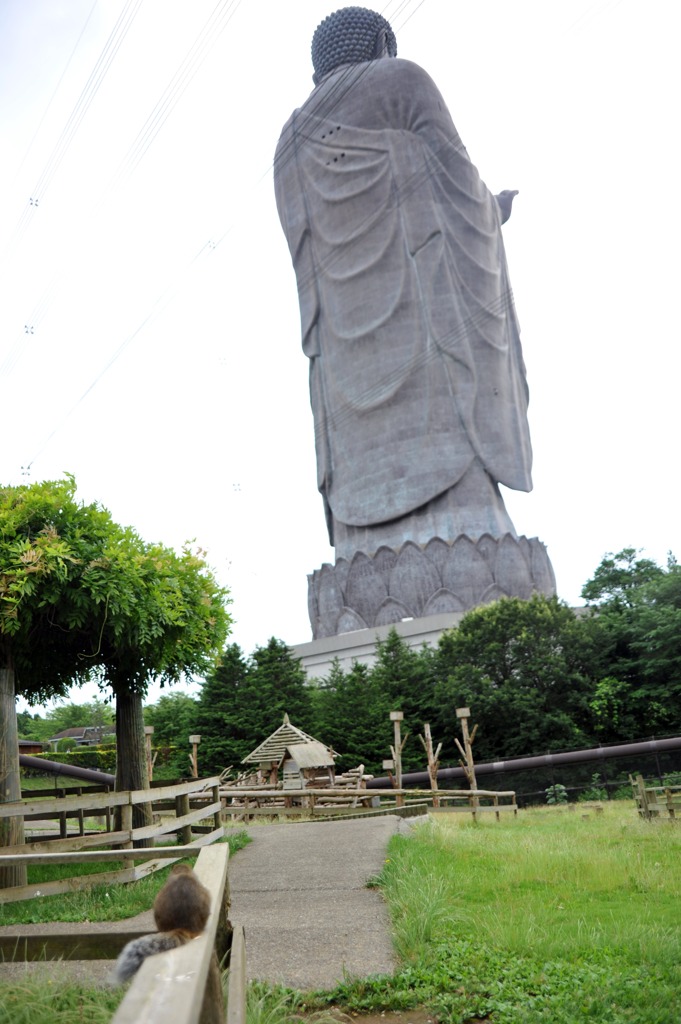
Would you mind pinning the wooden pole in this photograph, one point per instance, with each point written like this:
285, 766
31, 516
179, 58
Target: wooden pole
11, 829
193, 757
433, 761
396, 750
148, 733
468, 765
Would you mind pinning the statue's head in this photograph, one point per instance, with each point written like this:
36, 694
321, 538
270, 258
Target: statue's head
351, 35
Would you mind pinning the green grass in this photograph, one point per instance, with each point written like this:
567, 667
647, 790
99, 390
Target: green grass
108, 902
39, 1001
48, 783
543, 918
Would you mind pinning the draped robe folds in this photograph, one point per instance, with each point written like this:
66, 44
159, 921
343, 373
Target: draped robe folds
416, 369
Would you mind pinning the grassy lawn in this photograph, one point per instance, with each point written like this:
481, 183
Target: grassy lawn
100, 902
542, 918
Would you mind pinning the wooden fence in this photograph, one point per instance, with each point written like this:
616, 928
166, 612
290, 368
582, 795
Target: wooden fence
176, 798
173, 986
656, 801
242, 804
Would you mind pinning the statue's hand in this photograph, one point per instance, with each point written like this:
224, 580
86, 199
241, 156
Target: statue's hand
505, 201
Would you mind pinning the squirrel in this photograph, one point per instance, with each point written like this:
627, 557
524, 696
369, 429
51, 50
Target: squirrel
181, 910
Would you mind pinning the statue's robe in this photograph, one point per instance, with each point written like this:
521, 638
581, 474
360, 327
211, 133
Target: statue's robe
416, 369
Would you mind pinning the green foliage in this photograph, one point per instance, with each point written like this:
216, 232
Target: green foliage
243, 701
101, 759
32, 727
352, 716
596, 791
556, 794
524, 667
407, 680
639, 623
618, 578
173, 717
65, 744
82, 596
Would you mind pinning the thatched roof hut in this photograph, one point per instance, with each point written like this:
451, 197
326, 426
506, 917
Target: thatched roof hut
305, 760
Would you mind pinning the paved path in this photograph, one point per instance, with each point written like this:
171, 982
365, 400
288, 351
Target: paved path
300, 892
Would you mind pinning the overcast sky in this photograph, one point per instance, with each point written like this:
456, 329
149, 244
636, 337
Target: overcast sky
149, 326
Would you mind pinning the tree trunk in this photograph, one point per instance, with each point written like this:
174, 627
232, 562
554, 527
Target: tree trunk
131, 756
11, 829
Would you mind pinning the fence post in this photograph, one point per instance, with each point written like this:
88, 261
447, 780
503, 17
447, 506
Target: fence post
194, 756
182, 808
217, 816
463, 714
396, 750
126, 824
148, 733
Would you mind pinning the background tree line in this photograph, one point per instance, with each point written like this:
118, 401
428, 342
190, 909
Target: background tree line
538, 678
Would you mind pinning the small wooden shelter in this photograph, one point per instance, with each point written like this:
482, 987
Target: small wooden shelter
304, 760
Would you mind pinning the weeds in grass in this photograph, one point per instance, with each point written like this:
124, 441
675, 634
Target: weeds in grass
274, 1004
46, 1001
271, 1004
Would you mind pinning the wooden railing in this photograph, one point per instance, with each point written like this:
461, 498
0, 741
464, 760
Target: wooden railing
179, 986
656, 801
209, 805
241, 803
176, 986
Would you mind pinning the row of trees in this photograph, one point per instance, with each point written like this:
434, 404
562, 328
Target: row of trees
538, 677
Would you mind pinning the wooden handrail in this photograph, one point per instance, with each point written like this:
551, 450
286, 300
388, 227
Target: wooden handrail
365, 794
171, 986
100, 801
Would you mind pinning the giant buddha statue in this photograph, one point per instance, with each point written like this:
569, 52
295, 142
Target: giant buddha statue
417, 380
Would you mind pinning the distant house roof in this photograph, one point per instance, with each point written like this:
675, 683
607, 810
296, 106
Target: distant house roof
285, 737
77, 730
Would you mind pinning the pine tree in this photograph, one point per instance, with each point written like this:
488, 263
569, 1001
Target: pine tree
406, 680
244, 701
226, 718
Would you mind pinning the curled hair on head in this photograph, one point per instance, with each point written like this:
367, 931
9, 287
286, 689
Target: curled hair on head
349, 36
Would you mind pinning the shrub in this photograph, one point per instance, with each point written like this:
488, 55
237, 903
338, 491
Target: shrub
556, 794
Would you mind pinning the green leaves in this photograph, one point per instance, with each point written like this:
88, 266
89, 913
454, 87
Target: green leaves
81, 596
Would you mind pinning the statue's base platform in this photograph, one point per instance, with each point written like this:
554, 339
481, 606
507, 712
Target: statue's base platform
317, 656
439, 578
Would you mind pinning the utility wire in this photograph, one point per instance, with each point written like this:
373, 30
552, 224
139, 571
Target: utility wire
339, 91
75, 119
55, 91
190, 65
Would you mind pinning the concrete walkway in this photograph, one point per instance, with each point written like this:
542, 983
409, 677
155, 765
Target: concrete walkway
300, 891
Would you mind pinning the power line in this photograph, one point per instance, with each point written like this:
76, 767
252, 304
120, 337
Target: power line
55, 90
182, 78
192, 62
75, 119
